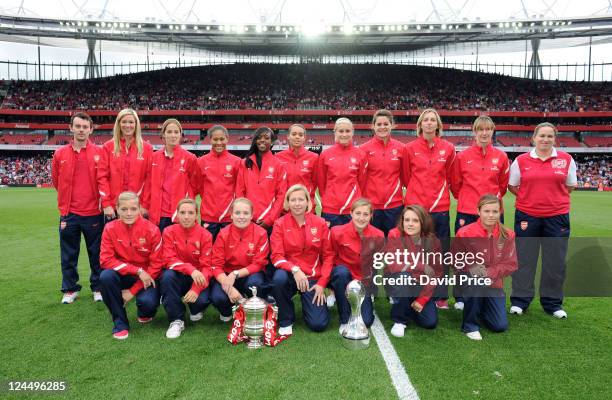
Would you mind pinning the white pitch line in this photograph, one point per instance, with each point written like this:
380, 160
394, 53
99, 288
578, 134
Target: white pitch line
399, 377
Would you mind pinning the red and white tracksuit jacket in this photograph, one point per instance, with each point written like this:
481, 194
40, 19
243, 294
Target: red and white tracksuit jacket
216, 175
307, 246
187, 250
62, 173
499, 254
111, 172
427, 173
397, 240
383, 183
126, 248
346, 244
266, 188
341, 176
476, 174
183, 179
236, 248
301, 169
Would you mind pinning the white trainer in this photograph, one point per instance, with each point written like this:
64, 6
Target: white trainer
225, 319
285, 330
331, 300
97, 296
196, 317
175, 329
391, 300
398, 329
69, 297
342, 328
516, 310
560, 314
459, 305
474, 335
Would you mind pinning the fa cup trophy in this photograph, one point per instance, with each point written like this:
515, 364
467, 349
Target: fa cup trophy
355, 335
254, 309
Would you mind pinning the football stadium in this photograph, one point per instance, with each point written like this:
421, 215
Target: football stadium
285, 200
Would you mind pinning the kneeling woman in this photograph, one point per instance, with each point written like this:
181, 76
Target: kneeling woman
346, 243
415, 233
498, 253
131, 257
302, 254
187, 251
239, 255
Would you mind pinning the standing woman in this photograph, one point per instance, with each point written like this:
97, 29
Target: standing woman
415, 233
383, 183
217, 172
300, 164
303, 257
125, 164
542, 181
341, 175
486, 303
240, 253
187, 252
262, 179
478, 170
346, 243
172, 175
131, 259
427, 170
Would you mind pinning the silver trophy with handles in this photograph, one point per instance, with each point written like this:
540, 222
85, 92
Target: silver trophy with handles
356, 335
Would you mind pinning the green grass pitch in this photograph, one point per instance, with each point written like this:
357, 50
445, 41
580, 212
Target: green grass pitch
538, 358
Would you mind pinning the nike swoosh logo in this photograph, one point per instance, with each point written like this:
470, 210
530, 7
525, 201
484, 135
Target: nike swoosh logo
154, 164
416, 154
332, 158
469, 161
205, 168
527, 168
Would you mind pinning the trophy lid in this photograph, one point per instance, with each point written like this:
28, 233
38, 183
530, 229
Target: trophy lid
255, 303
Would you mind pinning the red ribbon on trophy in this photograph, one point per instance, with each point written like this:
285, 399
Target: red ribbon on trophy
270, 338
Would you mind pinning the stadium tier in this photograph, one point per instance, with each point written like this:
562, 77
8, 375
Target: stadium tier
309, 86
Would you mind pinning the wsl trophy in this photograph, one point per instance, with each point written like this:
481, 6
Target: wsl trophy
254, 309
355, 335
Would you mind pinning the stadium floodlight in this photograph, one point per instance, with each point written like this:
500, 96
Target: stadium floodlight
265, 28
469, 26
195, 27
79, 23
380, 28
258, 29
207, 27
277, 28
520, 24
115, 24
367, 28
347, 29
418, 27
386, 28
312, 29
61, 23
569, 22
183, 27
443, 27
158, 26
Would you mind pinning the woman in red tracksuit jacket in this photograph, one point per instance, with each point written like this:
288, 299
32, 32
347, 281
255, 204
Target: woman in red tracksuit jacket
303, 257
478, 170
415, 233
187, 252
262, 179
216, 175
350, 263
427, 173
240, 253
299, 163
383, 183
172, 175
125, 164
131, 259
341, 175
488, 239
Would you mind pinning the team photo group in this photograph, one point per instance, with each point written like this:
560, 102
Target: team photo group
257, 223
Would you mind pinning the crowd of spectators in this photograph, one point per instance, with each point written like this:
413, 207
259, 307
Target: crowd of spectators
309, 86
592, 170
24, 170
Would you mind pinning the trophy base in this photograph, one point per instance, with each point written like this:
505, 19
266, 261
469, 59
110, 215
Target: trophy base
254, 343
356, 344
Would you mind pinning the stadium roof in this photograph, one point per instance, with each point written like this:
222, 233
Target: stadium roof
291, 27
